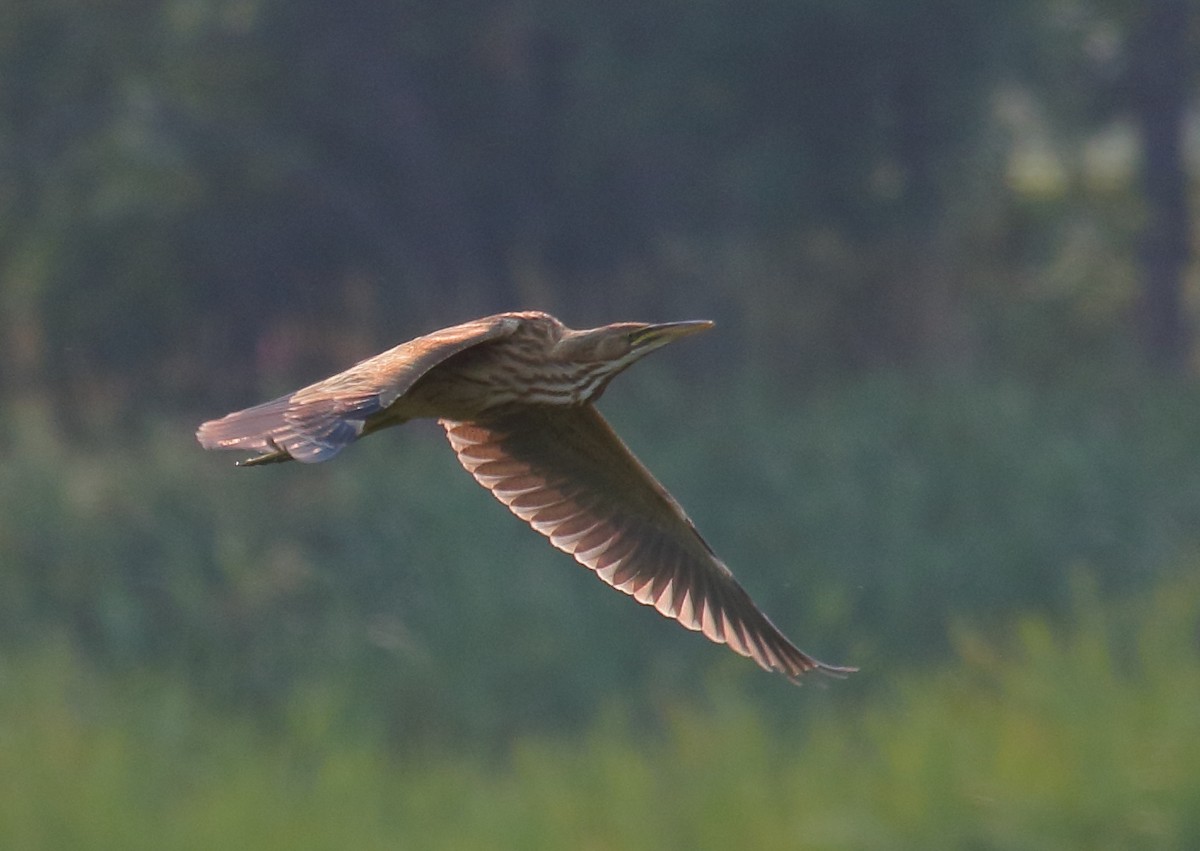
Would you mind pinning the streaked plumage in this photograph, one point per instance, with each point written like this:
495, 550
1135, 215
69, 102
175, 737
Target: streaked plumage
514, 393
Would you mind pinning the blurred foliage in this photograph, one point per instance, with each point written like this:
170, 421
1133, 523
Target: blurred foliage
1079, 737
864, 517
921, 231
205, 197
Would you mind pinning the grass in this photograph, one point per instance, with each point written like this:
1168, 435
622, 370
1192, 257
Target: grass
1075, 734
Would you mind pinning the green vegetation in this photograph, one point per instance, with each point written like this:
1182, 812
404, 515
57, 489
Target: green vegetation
946, 429
865, 518
1041, 736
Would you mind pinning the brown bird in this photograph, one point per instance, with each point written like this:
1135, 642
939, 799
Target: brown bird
514, 393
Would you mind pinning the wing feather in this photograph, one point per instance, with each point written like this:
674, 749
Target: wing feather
317, 422
566, 473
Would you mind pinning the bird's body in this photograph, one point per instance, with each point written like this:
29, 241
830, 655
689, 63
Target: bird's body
514, 393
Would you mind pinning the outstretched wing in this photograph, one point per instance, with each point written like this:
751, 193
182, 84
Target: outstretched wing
316, 423
567, 474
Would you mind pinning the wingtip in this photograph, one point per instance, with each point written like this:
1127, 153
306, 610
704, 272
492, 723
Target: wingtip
202, 434
836, 672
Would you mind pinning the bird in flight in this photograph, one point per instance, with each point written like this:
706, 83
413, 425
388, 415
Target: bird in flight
514, 393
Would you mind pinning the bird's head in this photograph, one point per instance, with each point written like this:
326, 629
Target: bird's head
612, 348
623, 342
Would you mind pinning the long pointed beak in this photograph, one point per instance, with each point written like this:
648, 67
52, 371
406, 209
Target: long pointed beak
667, 332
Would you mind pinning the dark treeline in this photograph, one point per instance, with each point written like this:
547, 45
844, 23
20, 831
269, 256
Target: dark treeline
265, 189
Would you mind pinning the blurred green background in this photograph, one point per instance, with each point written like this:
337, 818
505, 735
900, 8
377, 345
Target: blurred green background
946, 429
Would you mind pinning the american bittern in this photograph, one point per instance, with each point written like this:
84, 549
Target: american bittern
514, 393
